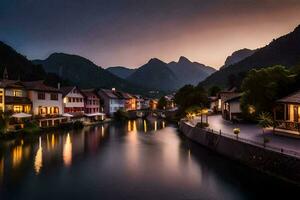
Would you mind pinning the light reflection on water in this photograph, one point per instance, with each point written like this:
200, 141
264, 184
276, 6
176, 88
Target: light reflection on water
123, 160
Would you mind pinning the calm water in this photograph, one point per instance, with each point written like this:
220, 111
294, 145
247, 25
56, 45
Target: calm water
127, 160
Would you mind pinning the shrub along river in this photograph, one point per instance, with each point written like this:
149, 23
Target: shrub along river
135, 159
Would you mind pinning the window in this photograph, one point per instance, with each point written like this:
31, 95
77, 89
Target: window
41, 95
18, 108
54, 96
69, 99
1, 99
17, 93
42, 110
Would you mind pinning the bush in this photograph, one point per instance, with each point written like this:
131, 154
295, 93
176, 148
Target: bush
236, 131
202, 125
78, 125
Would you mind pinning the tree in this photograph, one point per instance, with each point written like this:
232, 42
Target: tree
213, 91
262, 87
265, 120
162, 103
4, 121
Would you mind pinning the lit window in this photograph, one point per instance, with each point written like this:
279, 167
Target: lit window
17, 93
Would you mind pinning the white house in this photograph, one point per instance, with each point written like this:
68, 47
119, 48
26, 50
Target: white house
232, 108
46, 103
112, 101
73, 100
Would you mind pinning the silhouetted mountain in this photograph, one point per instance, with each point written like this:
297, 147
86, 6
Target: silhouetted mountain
189, 72
120, 71
84, 73
282, 51
237, 56
155, 74
17, 65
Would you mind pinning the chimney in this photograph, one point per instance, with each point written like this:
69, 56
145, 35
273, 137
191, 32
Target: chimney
58, 85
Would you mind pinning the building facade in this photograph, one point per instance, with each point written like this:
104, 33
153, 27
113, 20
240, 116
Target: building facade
73, 100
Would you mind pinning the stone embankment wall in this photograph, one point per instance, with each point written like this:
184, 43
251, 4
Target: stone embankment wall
274, 163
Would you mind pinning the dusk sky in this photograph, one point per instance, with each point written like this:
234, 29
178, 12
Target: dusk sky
130, 32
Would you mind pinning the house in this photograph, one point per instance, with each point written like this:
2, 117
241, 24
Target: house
14, 97
130, 101
153, 104
92, 104
73, 101
112, 101
170, 102
287, 114
215, 104
46, 103
225, 95
232, 108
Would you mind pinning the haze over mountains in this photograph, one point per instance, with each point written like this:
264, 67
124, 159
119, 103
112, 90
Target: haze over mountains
165, 76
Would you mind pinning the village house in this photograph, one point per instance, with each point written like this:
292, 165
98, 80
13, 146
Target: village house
232, 108
215, 104
223, 96
112, 101
46, 103
130, 101
92, 105
13, 97
73, 101
287, 114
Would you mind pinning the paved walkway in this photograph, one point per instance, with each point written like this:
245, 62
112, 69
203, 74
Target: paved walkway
252, 132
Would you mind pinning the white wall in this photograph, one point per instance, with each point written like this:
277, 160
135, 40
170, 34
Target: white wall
47, 102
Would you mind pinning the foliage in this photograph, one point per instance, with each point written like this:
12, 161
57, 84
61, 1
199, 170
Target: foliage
213, 91
202, 125
121, 114
189, 96
4, 121
162, 103
265, 120
236, 131
78, 124
262, 87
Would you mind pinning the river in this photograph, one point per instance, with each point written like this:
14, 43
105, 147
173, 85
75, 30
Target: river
135, 159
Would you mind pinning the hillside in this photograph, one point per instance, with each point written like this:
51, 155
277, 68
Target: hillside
18, 66
282, 51
237, 56
84, 73
156, 75
121, 72
189, 72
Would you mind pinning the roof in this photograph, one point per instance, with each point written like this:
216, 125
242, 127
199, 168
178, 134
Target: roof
292, 98
234, 98
39, 86
113, 94
90, 92
66, 90
11, 84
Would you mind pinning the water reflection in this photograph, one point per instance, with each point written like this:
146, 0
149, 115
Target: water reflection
38, 161
67, 152
123, 160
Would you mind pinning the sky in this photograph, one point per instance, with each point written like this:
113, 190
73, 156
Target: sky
130, 32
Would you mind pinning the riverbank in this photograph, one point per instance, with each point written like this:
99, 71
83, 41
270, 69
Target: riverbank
40, 131
272, 162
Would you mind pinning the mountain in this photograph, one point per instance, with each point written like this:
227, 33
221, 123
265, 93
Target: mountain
237, 56
18, 66
122, 72
189, 72
156, 75
282, 51
84, 73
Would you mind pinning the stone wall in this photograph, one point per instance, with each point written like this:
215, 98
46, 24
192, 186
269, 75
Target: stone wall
271, 162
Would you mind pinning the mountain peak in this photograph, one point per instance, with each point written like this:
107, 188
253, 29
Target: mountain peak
183, 59
155, 61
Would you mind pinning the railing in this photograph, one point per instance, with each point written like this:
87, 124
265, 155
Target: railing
293, 126
252, 142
